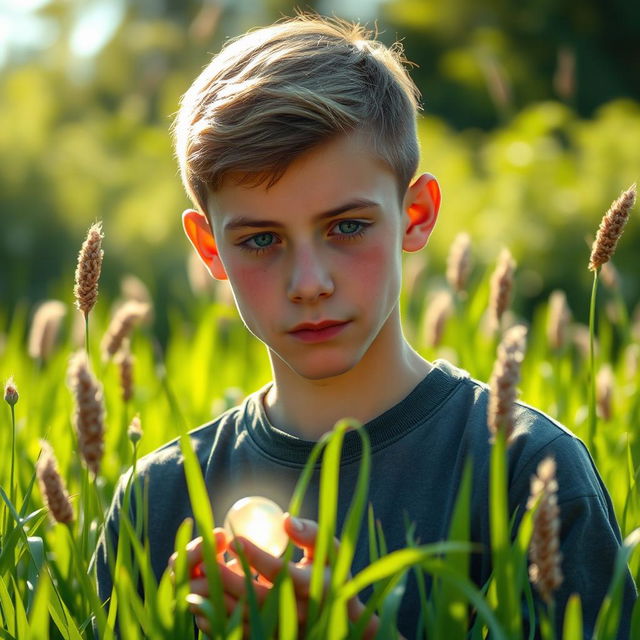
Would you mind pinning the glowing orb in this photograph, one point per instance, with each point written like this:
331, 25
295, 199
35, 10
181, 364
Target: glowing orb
259, 520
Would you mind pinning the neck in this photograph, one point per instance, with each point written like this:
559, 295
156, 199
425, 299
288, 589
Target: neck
384, 376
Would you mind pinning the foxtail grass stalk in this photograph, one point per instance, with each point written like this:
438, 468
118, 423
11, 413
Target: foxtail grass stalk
11, 397
86, 334
592, 366
604, 246
508, 601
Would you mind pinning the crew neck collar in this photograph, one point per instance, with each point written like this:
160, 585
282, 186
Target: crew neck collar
391, 425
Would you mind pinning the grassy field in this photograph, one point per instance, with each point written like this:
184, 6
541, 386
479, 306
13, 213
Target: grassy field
208, 364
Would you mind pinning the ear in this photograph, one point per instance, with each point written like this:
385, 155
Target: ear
197, 228
422, 203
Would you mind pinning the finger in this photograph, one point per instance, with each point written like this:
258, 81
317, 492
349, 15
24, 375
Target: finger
303, 534
234, 584
235, 566
264, 563
355, 609
194, 551
194, 547
199, 586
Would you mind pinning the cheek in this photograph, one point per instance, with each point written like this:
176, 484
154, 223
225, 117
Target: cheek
375, 266
250, 285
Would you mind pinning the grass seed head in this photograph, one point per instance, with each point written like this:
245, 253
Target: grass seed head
133, 288
11, 392
604, 391
545, 571
89, 411
124, 360
438, 312
632, 360
635, 323
558, 318
134, 432
611, 228
610, 276
504, 381
52, 486
125, 318
459, 262
45, 328
501, 286
88, 269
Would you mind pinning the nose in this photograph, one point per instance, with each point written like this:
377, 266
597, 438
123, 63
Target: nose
310, 277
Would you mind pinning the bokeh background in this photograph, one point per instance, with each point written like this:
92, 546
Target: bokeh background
531, 121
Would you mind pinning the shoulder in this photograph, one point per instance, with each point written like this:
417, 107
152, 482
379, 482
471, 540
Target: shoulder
536, 436
169, 456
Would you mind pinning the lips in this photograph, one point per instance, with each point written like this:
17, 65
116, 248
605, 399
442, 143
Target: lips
318, 332
310, 326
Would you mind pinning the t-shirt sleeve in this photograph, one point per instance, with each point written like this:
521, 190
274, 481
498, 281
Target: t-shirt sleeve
589, 534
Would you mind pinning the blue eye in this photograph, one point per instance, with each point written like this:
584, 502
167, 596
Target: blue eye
262, 240
348, 227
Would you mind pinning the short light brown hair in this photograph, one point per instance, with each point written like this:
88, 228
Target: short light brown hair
278, 91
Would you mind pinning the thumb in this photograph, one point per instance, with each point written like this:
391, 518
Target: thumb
303, 534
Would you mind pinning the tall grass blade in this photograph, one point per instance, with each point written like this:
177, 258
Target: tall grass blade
353, 520
183, 620
382, 589
7, 608
255, 623
35, 562
204, 520
390, 606
130, 609
328, 501
609, 615
451, 618
39, 614
507, 590
22, 622
635, 620
64, 621
572, 626
287, 610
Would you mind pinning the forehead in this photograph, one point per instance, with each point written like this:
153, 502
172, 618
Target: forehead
321, 179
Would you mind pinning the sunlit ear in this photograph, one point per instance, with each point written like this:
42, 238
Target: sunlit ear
197, 228
422, 203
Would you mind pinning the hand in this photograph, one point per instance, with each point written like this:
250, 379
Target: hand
303, 534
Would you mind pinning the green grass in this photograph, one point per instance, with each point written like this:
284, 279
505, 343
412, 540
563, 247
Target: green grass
45, 587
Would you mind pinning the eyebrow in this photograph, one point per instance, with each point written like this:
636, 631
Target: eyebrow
242, 222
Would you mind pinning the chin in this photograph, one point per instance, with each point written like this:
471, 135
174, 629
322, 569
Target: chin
321, 370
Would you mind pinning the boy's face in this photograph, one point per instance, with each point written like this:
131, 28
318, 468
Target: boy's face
321, 246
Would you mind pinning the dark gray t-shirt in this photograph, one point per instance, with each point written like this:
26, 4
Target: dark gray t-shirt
419, 448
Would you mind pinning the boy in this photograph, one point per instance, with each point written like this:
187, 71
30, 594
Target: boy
298, 146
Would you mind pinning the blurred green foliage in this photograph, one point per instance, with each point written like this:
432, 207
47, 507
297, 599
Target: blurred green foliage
531, 125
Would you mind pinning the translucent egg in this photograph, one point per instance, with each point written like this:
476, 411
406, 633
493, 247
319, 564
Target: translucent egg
259, 520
